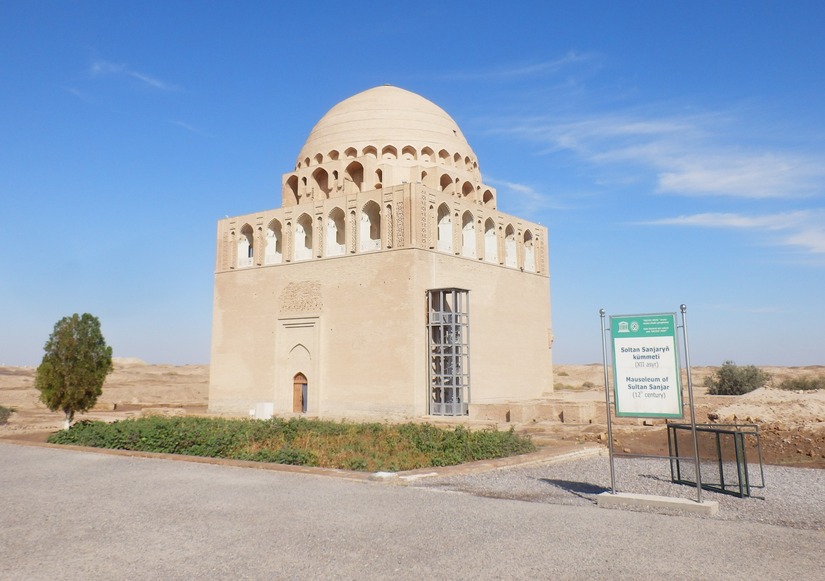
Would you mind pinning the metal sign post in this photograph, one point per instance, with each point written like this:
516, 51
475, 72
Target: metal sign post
646, 375
683, 309
607, 405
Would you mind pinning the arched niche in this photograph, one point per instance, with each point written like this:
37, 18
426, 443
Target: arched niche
291, 187
529, 252
446, 183
490, 242
336, 239
468, 235
510, 247
445, 229
370, 227
246, 248
303, 238
273, 254
353, 178
320, 180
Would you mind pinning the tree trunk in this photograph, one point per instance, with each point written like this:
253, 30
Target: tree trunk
69, 418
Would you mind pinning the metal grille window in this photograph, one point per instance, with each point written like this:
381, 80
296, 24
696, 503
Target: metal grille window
448, 333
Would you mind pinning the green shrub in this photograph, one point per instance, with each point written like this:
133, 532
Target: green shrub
803, 383
299, 441
570, 387
730, 379
281, 456
357, 463
5, 413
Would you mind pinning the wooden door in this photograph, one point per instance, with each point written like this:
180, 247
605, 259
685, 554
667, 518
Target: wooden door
299, 387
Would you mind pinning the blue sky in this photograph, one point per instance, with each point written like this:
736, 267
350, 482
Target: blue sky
675, 151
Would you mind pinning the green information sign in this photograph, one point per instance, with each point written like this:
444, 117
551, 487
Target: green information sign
646, 366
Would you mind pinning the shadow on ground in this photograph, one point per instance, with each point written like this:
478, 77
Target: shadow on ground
581, 489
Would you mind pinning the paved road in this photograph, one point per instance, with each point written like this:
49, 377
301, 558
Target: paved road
82, 515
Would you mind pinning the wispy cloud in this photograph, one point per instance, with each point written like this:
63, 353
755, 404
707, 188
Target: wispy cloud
103, 68
190, 128
803, 229
731, 220
78, 93
520, 70
527, 200
812, 239
766, 175
681, 154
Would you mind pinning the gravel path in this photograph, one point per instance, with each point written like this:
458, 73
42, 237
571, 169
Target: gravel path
792, 497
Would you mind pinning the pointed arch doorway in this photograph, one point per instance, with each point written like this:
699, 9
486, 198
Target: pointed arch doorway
298, 388
299, 393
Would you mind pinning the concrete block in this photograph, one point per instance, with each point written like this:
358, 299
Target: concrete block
264, 410
522, 413
548, 412
709, 507
581, 412
488, 411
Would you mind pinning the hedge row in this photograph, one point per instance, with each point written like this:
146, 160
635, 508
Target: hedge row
368, 447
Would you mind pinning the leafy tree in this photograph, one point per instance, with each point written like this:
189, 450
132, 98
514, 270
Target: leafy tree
77, 360
730, 379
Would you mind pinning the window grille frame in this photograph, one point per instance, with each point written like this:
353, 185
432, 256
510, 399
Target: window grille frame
448, 351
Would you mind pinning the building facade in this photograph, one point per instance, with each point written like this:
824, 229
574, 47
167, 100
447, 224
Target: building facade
387, 285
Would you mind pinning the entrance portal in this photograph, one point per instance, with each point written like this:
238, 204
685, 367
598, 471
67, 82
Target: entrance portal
299, 393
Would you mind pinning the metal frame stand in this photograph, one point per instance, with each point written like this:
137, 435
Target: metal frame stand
732, 468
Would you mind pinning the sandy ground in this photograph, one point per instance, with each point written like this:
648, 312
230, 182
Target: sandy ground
791, 424
132, 389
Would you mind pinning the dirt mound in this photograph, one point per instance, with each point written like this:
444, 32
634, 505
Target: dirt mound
773, 406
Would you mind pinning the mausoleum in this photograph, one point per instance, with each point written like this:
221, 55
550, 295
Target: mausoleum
387, 285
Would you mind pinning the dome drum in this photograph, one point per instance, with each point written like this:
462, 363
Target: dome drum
355, 148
